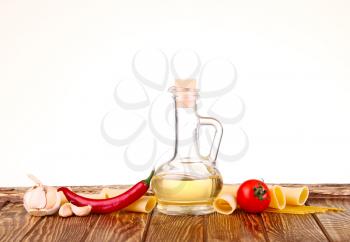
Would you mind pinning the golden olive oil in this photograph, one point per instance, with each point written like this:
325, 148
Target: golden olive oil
185, 193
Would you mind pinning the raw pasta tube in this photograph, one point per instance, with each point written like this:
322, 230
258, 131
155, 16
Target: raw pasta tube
225, 202
145, 204
296, 195
278, 197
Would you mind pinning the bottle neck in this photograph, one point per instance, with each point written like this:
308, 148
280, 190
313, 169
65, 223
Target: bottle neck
186, 131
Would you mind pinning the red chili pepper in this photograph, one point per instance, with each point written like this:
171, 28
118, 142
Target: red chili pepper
112, 204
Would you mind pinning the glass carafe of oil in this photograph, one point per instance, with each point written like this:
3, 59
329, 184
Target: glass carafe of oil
189, 182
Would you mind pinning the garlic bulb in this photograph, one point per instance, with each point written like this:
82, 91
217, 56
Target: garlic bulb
41, 200
35, 197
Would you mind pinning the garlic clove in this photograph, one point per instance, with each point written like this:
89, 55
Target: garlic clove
56, 206
81, 211
65, 210
36, 198
51, 197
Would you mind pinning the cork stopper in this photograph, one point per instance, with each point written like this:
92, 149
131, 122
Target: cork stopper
185, 93
186, 83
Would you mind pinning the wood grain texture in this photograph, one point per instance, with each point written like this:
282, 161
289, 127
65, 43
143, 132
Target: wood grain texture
175, 228
15, 223
55, 228
290, 227
121, 226
238, 226
335, 224
2, 203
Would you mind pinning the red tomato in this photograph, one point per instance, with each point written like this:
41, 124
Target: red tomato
253, 196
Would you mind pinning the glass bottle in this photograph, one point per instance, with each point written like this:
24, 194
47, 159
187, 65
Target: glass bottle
189, 182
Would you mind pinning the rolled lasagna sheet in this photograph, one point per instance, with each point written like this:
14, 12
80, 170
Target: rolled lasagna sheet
278, 197
225, 202
296, 195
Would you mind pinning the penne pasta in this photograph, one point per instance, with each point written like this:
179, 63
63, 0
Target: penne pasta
296, 195
225, 202
278, 197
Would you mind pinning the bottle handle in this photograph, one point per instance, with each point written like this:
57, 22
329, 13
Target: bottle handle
214, 148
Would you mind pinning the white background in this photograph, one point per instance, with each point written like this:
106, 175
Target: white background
61, 60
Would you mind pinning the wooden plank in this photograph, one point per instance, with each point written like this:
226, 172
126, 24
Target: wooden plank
121, 226
15, 222
175, 228
328, 189
238, 226
2, 203
12, 194
335, 224
291, 227
55, 228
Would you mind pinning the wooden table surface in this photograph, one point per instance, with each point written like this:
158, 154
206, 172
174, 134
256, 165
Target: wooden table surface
17, 225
